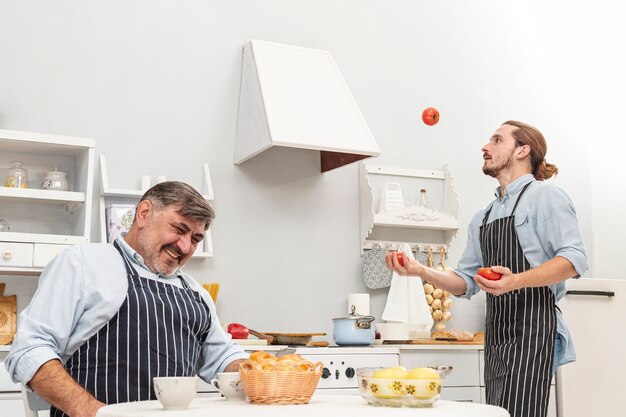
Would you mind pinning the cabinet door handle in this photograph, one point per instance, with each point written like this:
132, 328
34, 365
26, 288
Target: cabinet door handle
591, 292
7, 254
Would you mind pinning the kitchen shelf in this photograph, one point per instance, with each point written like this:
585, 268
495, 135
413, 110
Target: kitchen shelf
438, 222
29, 195
44, 222
119, 195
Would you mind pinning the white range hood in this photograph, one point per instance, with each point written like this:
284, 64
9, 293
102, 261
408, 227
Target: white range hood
296, 97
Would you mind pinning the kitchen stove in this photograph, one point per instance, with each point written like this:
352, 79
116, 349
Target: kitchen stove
341, 363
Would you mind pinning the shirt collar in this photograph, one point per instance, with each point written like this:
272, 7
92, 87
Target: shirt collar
514, 187
137, 259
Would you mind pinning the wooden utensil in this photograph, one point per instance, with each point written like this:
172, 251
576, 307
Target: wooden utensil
8, 316
293, 338
270, 339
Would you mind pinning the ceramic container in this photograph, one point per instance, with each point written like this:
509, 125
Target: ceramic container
55, 180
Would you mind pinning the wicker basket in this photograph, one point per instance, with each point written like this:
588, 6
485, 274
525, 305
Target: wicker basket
279, 387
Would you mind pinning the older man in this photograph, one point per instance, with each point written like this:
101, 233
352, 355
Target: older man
107, 318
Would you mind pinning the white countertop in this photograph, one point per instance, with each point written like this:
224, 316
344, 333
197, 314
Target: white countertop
320, 405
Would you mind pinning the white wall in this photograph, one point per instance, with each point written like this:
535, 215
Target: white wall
156, 83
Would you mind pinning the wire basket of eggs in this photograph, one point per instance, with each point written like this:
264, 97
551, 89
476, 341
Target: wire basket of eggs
288, 379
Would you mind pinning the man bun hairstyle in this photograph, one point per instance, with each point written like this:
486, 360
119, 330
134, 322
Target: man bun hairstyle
190, 202
526, 134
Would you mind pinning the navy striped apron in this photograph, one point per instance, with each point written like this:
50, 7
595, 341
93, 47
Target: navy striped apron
158, 331
519, 330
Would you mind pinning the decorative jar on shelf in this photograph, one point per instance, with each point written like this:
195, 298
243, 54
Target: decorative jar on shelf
55, 180
17, 177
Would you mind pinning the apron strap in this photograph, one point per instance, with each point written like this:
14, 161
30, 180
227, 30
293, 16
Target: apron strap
514, 207
520, 197
129, 267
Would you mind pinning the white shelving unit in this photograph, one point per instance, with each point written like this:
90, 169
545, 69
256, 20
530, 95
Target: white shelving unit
415, 224
44, 222
118, 195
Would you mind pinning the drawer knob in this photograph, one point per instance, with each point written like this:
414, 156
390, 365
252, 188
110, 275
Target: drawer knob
7, 254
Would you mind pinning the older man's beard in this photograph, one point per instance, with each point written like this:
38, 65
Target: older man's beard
153, 261
495, 169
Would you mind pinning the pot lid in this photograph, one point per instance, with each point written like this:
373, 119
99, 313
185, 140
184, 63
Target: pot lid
355, 316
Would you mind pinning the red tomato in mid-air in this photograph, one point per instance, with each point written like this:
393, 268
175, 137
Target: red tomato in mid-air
430, 116
489, 274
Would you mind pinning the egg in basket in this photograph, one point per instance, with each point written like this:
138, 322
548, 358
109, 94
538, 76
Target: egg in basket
288, 379
398, 387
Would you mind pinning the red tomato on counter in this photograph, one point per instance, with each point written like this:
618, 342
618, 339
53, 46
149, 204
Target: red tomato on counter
430, 116
489, 274
238, 331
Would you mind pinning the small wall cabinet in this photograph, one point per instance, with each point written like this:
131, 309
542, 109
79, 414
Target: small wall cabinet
44, 222
110, 196
434, 220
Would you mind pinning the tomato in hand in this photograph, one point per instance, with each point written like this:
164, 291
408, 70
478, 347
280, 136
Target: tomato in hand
401, 258
489, 274
430, 116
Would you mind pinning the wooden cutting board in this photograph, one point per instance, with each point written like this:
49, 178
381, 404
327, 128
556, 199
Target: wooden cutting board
431, 342
8, 317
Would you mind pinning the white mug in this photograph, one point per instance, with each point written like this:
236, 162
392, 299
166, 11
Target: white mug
175, 392
229, 385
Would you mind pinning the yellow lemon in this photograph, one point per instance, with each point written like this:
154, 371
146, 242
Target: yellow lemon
423, 373
394, 372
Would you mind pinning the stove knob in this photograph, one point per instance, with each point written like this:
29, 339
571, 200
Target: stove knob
350, 372
325, 373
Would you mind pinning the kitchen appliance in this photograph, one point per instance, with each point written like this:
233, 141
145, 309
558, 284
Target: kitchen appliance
353, 330
340, 365
593, 310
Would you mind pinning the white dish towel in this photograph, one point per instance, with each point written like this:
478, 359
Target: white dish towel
406, 301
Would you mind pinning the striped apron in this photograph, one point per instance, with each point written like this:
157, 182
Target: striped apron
519, 330
158, 331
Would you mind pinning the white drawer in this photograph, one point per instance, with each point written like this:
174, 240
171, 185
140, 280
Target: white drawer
44, 253
16, 254
463, 394
465, 369
6, 385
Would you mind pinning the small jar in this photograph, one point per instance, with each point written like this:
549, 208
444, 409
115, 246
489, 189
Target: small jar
17, 177
423, 199
55, 180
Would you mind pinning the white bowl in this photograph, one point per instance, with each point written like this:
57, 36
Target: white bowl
393, 331
175, 392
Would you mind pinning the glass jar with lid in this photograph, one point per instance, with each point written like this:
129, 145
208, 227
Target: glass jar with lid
17, 176
55, 180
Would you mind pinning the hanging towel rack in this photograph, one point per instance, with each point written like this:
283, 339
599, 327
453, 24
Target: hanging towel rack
393, 245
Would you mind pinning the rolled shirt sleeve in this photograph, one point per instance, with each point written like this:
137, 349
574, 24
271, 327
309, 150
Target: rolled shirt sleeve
45, 326
557, 228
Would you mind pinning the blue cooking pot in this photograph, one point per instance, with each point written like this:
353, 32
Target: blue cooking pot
353, 330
